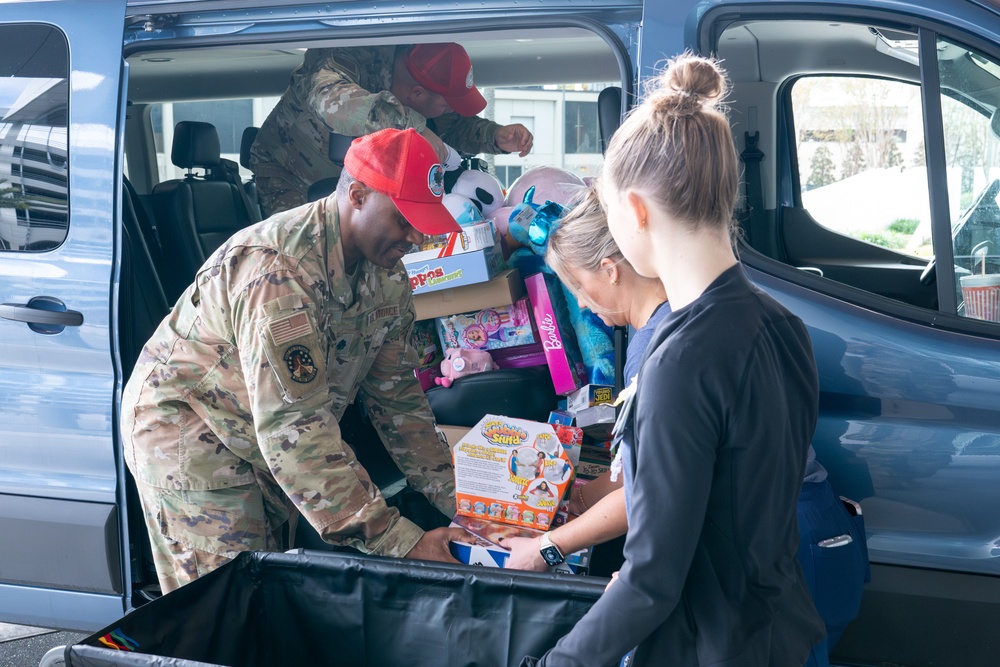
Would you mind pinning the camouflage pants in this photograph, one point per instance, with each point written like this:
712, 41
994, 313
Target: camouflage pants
195, 532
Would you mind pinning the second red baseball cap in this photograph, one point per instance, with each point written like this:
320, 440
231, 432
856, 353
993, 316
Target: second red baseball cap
402, 165
446, 70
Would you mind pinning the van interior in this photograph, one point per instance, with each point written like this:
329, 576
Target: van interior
192, 114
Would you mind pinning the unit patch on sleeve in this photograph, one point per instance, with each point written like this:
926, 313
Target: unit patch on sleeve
300, 364
289, 328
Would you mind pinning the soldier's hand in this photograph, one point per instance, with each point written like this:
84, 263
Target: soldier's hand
440, 148
514, 138
434, 544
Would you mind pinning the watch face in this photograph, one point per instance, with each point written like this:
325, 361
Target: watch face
551, 555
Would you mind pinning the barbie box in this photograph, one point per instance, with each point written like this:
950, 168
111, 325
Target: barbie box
511, 470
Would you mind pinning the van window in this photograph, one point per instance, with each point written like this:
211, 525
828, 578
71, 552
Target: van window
34, 99
563, 118
230, 118
972, 148
860, 146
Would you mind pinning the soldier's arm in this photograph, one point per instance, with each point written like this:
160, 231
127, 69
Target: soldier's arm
402, 416
283, 357
347, 108
467, 134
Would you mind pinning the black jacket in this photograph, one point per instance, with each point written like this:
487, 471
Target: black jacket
725, 409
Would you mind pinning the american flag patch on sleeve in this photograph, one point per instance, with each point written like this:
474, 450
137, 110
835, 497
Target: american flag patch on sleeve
289, 328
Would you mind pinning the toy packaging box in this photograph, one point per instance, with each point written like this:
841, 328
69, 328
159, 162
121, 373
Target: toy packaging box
488, 329
473, 237
555, 332
512, 471
589, 396
432, 274
487, 552
425, 340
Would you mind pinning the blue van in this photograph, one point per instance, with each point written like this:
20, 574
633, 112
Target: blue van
871, 143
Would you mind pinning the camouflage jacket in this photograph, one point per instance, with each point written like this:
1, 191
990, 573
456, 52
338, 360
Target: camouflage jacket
267, 347
344, 90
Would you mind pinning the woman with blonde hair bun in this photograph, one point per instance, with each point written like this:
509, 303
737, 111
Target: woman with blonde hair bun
718, 421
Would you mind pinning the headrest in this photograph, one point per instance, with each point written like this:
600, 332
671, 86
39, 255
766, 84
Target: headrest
196, 144
249, 136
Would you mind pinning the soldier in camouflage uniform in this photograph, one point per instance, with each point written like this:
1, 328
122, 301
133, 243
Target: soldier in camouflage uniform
356, 91
231, 415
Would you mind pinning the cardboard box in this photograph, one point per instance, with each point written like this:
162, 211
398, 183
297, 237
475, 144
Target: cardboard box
558, 338
453, 433
589, 469
513, 471
490, 328
589, 396
503, 290
474, 237
430, 275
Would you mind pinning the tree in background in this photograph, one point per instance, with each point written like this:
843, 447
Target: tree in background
821, 168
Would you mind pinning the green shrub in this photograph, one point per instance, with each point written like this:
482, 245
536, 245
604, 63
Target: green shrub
904, 226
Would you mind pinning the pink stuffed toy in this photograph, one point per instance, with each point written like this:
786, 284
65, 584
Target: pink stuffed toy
459, 363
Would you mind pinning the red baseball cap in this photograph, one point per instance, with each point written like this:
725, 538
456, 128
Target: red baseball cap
445, 69
402, 165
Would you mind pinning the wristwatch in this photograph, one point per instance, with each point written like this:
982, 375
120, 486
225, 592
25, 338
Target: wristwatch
550, 552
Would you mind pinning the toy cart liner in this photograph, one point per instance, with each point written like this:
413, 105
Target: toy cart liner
318, 608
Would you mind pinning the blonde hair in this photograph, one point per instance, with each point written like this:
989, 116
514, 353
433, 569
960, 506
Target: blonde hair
676, 146
582, 239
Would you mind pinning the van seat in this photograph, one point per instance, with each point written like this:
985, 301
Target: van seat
246, 143
197, 214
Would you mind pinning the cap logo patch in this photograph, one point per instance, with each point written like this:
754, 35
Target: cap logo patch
435, 180
468, 79
300, 364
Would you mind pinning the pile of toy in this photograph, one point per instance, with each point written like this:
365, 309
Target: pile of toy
469, 286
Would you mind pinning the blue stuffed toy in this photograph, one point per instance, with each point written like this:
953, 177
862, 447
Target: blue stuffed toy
529, 225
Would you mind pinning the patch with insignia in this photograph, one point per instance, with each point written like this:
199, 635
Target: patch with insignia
299, 363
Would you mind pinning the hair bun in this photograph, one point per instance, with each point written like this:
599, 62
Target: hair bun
688, 84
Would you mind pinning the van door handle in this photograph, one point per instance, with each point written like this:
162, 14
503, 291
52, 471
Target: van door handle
42, 314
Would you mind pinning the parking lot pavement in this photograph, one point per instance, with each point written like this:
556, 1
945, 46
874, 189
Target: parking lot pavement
24, 646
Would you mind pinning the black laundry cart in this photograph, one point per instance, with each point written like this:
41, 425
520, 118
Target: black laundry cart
345, 610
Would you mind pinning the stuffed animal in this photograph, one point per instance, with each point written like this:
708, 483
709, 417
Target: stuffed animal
459, 362
462, 209
550, 183
482, 188
593, 336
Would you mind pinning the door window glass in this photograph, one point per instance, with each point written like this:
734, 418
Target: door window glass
970, 96
861, 159
34, 99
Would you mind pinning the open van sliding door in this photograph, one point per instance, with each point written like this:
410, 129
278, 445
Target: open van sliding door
61, 560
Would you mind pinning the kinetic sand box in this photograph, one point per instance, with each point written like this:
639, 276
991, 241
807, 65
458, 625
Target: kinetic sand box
511, 470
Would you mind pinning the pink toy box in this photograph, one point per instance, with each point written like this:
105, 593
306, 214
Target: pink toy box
488, 329
555, 332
